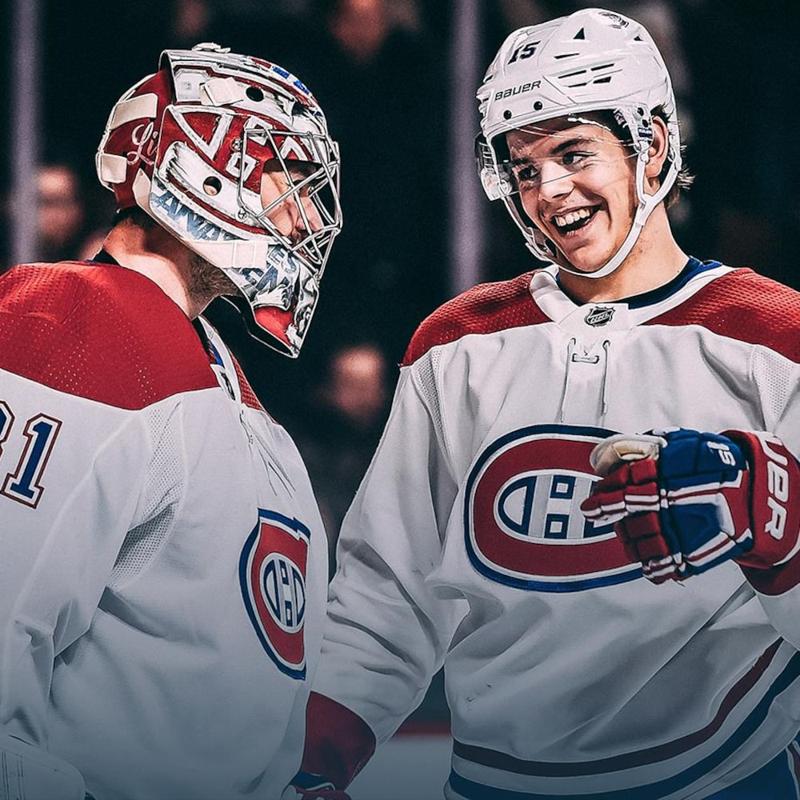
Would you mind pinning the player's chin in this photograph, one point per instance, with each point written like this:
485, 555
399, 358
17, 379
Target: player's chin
585, 260
579, 251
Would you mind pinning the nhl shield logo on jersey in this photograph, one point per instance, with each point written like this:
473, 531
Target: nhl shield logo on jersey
522, 520
272, 573
599, 315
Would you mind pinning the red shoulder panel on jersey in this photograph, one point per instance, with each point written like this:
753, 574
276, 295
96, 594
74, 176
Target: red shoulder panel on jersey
745, 306
486, 308
98, 331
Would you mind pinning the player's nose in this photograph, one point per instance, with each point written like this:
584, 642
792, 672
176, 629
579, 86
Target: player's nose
296, 217
310, 220
554, 182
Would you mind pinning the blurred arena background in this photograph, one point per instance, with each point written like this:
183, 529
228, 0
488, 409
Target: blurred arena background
396, 79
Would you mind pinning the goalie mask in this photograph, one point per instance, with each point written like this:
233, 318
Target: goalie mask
190, 145
590, 61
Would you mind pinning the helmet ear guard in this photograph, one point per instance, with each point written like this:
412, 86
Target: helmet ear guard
495, 174
189, 146
590, 61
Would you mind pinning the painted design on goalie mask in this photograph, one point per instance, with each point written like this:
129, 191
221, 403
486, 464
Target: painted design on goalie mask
592, 60
194, 224
189, 146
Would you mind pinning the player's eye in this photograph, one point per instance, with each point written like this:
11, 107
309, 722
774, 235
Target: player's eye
525, 174
575, 158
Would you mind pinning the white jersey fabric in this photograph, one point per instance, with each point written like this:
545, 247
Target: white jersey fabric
164, 567
567, 673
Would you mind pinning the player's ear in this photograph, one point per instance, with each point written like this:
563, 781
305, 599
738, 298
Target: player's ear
659, 149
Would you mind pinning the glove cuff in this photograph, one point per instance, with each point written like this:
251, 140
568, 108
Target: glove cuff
772, 565
338, 741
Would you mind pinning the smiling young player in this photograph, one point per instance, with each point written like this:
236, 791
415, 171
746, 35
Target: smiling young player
568, 672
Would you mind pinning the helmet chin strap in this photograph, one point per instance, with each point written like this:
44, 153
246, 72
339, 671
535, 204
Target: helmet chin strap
622, 253
647, 203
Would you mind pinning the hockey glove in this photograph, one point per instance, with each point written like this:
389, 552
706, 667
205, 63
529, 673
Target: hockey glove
684, 501
307, 786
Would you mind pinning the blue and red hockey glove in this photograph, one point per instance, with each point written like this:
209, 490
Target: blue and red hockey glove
682, 501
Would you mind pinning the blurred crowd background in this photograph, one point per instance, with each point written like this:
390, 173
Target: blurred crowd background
384, 71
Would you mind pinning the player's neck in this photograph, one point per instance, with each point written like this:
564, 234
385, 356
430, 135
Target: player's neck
654, 260
152, 252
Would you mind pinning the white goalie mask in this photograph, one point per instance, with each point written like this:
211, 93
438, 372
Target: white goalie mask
190, 144
590, 61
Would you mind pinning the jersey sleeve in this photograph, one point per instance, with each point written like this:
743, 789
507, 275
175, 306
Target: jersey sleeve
779, 588
387, 631
72, 481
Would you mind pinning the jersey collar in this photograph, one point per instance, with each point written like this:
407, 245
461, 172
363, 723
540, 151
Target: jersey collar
599, 317
693, 268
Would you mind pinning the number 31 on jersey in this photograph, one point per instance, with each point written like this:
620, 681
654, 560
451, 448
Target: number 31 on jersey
24, 484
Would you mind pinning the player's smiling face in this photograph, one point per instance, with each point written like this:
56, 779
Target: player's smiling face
576, 183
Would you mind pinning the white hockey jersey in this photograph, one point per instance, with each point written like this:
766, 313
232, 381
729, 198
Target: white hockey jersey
164, 569
567, 673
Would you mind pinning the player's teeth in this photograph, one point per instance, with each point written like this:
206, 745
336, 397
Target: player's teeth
573, 216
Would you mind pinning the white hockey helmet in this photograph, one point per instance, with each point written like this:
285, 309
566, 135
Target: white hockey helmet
189, 144
592, 60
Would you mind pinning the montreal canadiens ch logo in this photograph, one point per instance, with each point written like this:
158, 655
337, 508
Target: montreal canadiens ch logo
272, 573
522, 520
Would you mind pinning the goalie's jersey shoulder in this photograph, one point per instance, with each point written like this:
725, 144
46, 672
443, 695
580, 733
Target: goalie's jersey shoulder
746, 306
98, 331
486, 308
